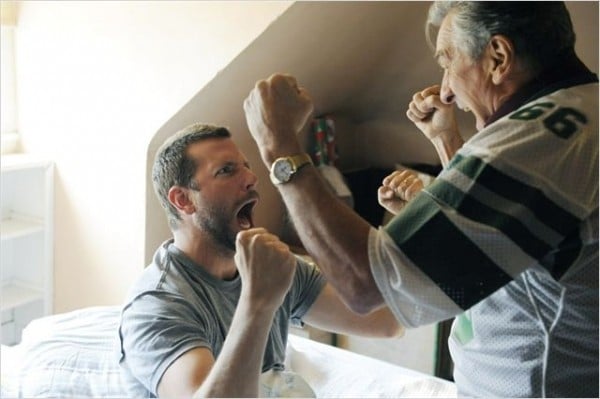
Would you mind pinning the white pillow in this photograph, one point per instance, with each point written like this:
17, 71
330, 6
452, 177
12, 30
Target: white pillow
73, 354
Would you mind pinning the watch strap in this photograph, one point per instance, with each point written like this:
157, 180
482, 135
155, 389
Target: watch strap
300, 160
296, 162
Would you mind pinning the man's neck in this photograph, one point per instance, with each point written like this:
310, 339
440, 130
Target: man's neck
206, 254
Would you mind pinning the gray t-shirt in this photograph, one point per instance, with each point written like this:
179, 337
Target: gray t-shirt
176, 306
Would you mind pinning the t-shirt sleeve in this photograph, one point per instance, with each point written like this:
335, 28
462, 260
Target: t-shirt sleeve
154, 335
307, 285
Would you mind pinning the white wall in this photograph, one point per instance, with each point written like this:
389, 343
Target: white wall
96, 80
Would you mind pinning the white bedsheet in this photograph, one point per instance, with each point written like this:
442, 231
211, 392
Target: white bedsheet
337, 373
75, 354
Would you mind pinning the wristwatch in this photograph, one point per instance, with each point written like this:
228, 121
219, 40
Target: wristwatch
284, 168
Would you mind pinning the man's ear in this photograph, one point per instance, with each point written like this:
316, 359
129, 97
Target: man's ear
179, 198
501, 53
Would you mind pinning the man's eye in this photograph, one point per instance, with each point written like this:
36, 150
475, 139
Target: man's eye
224, 170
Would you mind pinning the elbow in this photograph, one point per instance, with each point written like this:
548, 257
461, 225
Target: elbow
360, 306
394, 330
363, 297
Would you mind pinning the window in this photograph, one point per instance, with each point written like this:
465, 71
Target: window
8, 94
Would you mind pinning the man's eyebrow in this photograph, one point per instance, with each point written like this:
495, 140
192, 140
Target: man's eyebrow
235, 163
229, 163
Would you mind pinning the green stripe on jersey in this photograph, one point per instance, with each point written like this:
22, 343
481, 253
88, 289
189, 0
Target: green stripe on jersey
446, 255
475, 210
547, 211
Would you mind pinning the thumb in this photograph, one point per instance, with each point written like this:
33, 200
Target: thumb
433, 102
385, 192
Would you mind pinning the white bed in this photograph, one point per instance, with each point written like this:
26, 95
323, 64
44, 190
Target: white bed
75, 355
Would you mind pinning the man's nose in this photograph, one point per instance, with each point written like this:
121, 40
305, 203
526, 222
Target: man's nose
251, 180
446, 94
447, 98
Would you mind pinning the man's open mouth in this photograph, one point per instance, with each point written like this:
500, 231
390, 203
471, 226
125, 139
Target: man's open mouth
244, 215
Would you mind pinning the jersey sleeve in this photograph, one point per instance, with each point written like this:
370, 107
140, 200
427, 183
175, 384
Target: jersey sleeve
512, 199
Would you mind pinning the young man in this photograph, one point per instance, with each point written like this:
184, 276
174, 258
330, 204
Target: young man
507, 235
212, 310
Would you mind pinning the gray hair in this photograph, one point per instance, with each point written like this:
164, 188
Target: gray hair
172, 166
540, 31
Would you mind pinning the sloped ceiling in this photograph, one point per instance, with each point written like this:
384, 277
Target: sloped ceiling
359, 59
346, 53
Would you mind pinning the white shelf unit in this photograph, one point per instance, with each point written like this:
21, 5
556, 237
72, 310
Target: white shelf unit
26, 239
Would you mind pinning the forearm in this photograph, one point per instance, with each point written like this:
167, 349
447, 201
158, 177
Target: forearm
446, 146
380, 323
329, 313
335, 236
276, 110
237, 369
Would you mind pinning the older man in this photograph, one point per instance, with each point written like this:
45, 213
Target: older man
506, 238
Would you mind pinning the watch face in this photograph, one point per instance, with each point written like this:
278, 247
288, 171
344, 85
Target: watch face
282, 169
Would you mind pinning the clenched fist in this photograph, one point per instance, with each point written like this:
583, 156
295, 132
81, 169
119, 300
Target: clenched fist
437, 120
431, 115
397, 189
276, 110
266, 267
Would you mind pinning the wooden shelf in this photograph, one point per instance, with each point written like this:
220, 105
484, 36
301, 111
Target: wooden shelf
19, 227
15, 295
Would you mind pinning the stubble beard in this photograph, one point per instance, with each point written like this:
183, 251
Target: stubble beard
215, 222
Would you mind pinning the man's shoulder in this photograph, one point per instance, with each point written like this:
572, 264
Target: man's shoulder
549, 145
159, 281
546, 124
150, 279
561, 112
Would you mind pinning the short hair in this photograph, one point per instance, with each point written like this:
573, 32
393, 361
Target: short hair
172, 166
540, 31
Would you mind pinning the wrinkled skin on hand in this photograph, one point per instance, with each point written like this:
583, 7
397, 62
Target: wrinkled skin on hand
397, 189
432, 116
